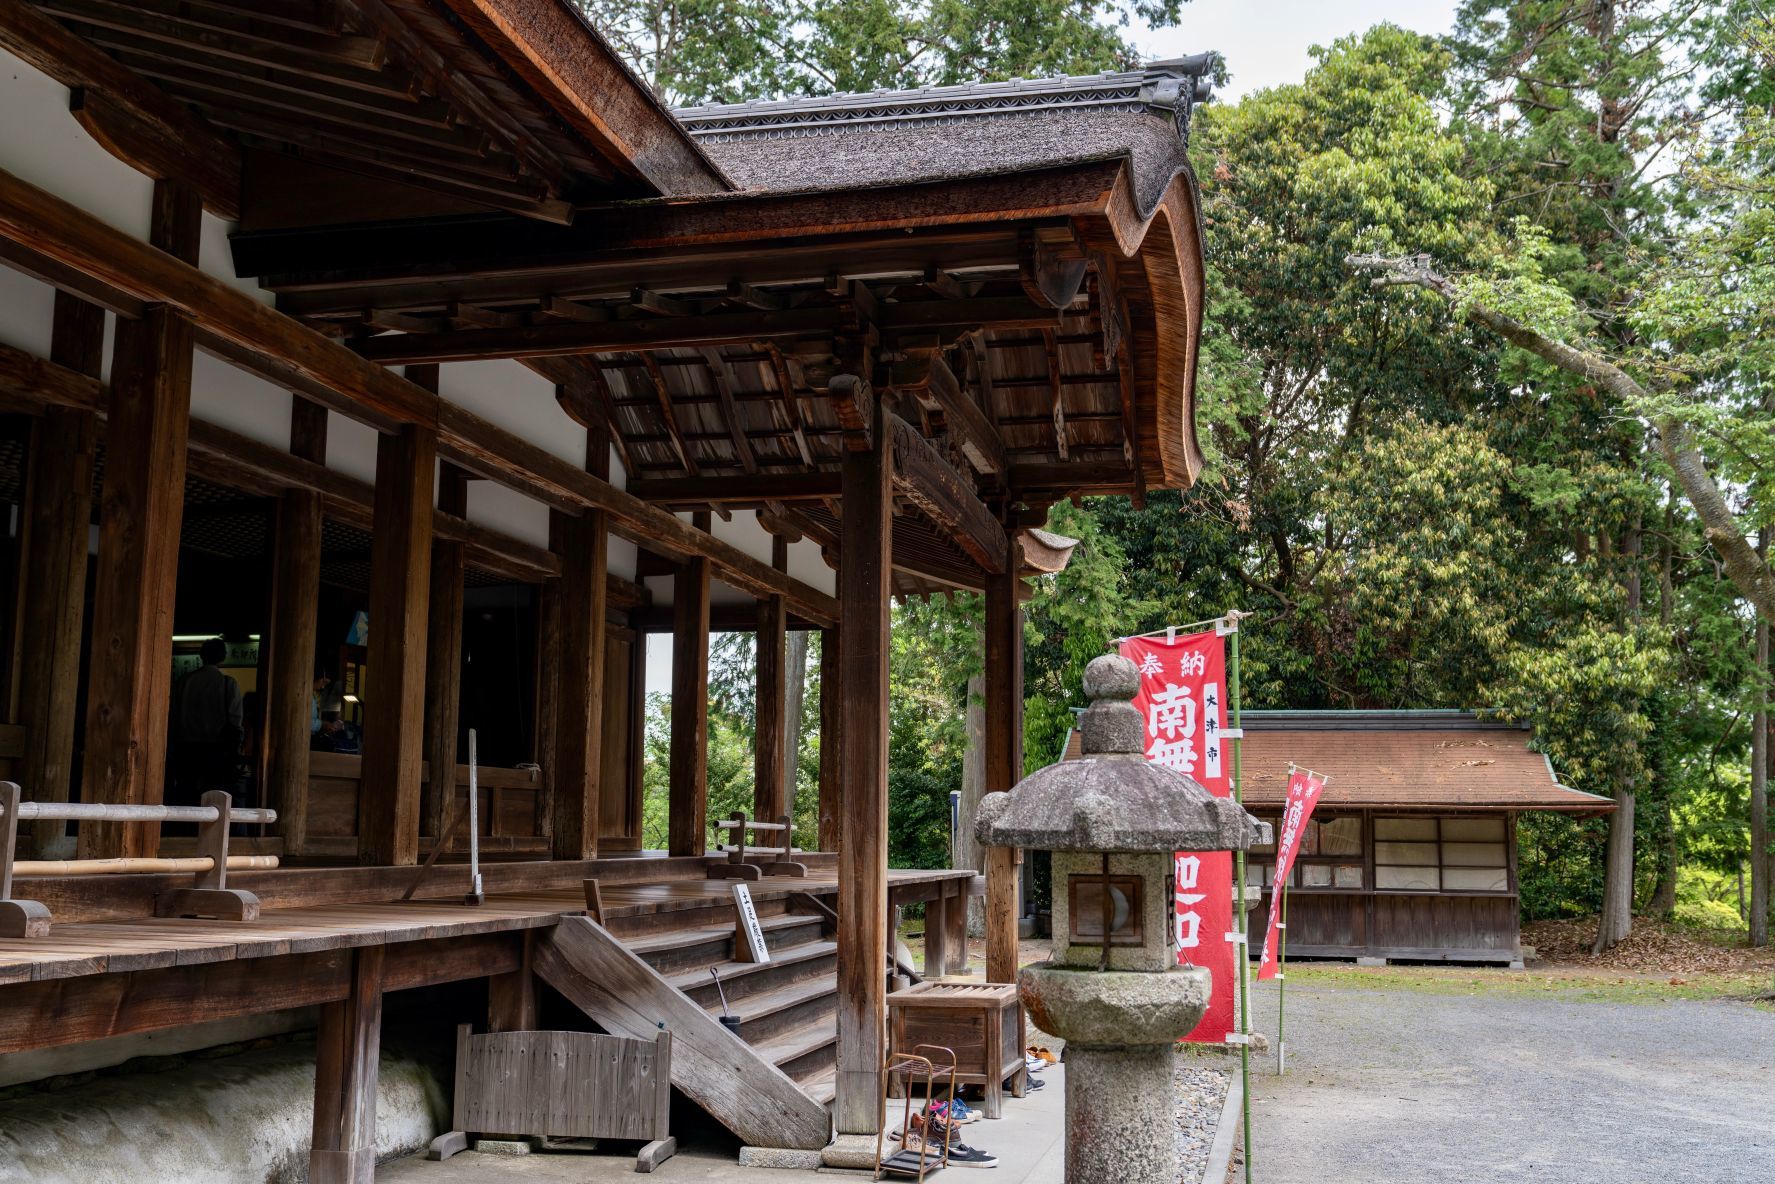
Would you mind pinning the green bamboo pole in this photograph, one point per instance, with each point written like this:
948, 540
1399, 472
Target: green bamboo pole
1239, 950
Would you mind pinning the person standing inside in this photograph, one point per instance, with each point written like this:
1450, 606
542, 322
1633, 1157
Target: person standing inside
206, 714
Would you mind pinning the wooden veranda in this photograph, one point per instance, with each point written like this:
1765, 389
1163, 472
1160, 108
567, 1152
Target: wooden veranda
418, 298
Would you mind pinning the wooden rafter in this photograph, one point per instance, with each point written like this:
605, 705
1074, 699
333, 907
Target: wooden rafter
1056, 392
925, 479
752, 489
930, 379
721, 374
668, 416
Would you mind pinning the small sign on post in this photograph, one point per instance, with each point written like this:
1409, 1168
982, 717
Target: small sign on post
748, 941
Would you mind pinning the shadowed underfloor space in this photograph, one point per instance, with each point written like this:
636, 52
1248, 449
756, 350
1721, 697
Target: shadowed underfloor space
1397, 1086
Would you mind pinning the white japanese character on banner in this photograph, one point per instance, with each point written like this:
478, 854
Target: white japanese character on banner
1171, 723
1150, 664
1189, 922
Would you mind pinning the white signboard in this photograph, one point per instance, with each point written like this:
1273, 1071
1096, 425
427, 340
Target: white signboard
754, 932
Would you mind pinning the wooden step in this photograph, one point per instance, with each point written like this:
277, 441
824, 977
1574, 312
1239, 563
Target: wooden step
706, 944
822, 1087
768, 1014
742, 979
803, 1052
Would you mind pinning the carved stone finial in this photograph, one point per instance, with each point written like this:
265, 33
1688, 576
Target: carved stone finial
1112, 725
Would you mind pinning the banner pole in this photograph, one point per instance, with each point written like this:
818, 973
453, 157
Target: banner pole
1282, 986
1244, 928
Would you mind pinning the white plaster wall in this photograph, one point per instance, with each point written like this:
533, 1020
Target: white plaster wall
508, 511
232, 398
41, 143
351, 447
27, 310
516, 398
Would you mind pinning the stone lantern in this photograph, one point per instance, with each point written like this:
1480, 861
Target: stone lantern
1113, 989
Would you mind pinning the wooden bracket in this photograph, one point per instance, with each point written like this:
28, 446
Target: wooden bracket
853, 402
594, 901
18, 918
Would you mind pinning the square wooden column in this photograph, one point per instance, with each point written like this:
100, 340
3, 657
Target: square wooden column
141, 511
579, 700
769, 800
400, 592
347, 1047
295, 618
863, 591
689, 794
831, 742
52, 584
1004, 763
443, 662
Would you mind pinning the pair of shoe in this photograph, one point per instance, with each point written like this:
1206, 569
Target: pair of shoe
954, 1111
933, 1132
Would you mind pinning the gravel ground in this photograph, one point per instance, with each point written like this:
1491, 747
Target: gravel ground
1200, 1094
1405, 1087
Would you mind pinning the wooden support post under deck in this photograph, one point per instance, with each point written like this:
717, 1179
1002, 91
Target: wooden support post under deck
443, 662
1004, 764
347, 1047
689, 794
769, 800
831, 742
295, 620
141, 512
579, 725
864, 571
400, 588
52, 585
511, 997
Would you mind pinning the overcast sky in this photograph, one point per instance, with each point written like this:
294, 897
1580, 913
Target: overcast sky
1265, 42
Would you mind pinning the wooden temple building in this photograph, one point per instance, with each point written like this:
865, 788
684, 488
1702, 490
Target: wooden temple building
414, 342
1411, 853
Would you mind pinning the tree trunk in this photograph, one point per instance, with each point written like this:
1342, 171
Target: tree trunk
1616, 921
969, 853
795, 680
1664, 895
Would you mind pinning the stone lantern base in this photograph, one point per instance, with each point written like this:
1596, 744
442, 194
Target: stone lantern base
1120, 1029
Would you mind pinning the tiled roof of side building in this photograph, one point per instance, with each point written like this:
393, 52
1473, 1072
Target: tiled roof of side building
947, 132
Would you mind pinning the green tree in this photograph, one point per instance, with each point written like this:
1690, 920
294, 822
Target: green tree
726, 51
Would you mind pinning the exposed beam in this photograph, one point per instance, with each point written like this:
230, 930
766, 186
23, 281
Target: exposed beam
284, 352
928, 377
127, 114
925, 479
721, 374
750, 489
26, 376
668, 416
951, 317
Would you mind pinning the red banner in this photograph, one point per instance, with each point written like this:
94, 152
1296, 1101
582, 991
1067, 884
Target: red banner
1303, 794
1183, 697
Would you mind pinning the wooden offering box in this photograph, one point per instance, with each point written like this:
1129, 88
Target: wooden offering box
982, 1022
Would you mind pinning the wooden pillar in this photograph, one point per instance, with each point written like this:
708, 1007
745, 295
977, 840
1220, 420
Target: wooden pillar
863, 591
511, 997
936, 934
579, 726
769, 801
1004, 764
347, 1047
443, 661
141, 510
400, 587
690, 709
295, 616
831, 742
52, 589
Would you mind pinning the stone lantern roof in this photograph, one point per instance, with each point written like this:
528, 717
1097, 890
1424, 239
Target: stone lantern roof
1114, 799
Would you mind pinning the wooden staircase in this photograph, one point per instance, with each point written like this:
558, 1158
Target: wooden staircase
772, 1085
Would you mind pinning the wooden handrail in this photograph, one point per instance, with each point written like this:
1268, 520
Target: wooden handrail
120, 812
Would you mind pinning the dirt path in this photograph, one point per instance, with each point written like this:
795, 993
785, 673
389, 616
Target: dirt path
1401, 1086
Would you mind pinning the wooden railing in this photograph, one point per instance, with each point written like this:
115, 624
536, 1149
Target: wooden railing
210, 896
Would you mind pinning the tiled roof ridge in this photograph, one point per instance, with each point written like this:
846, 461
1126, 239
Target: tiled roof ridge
1174, 86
